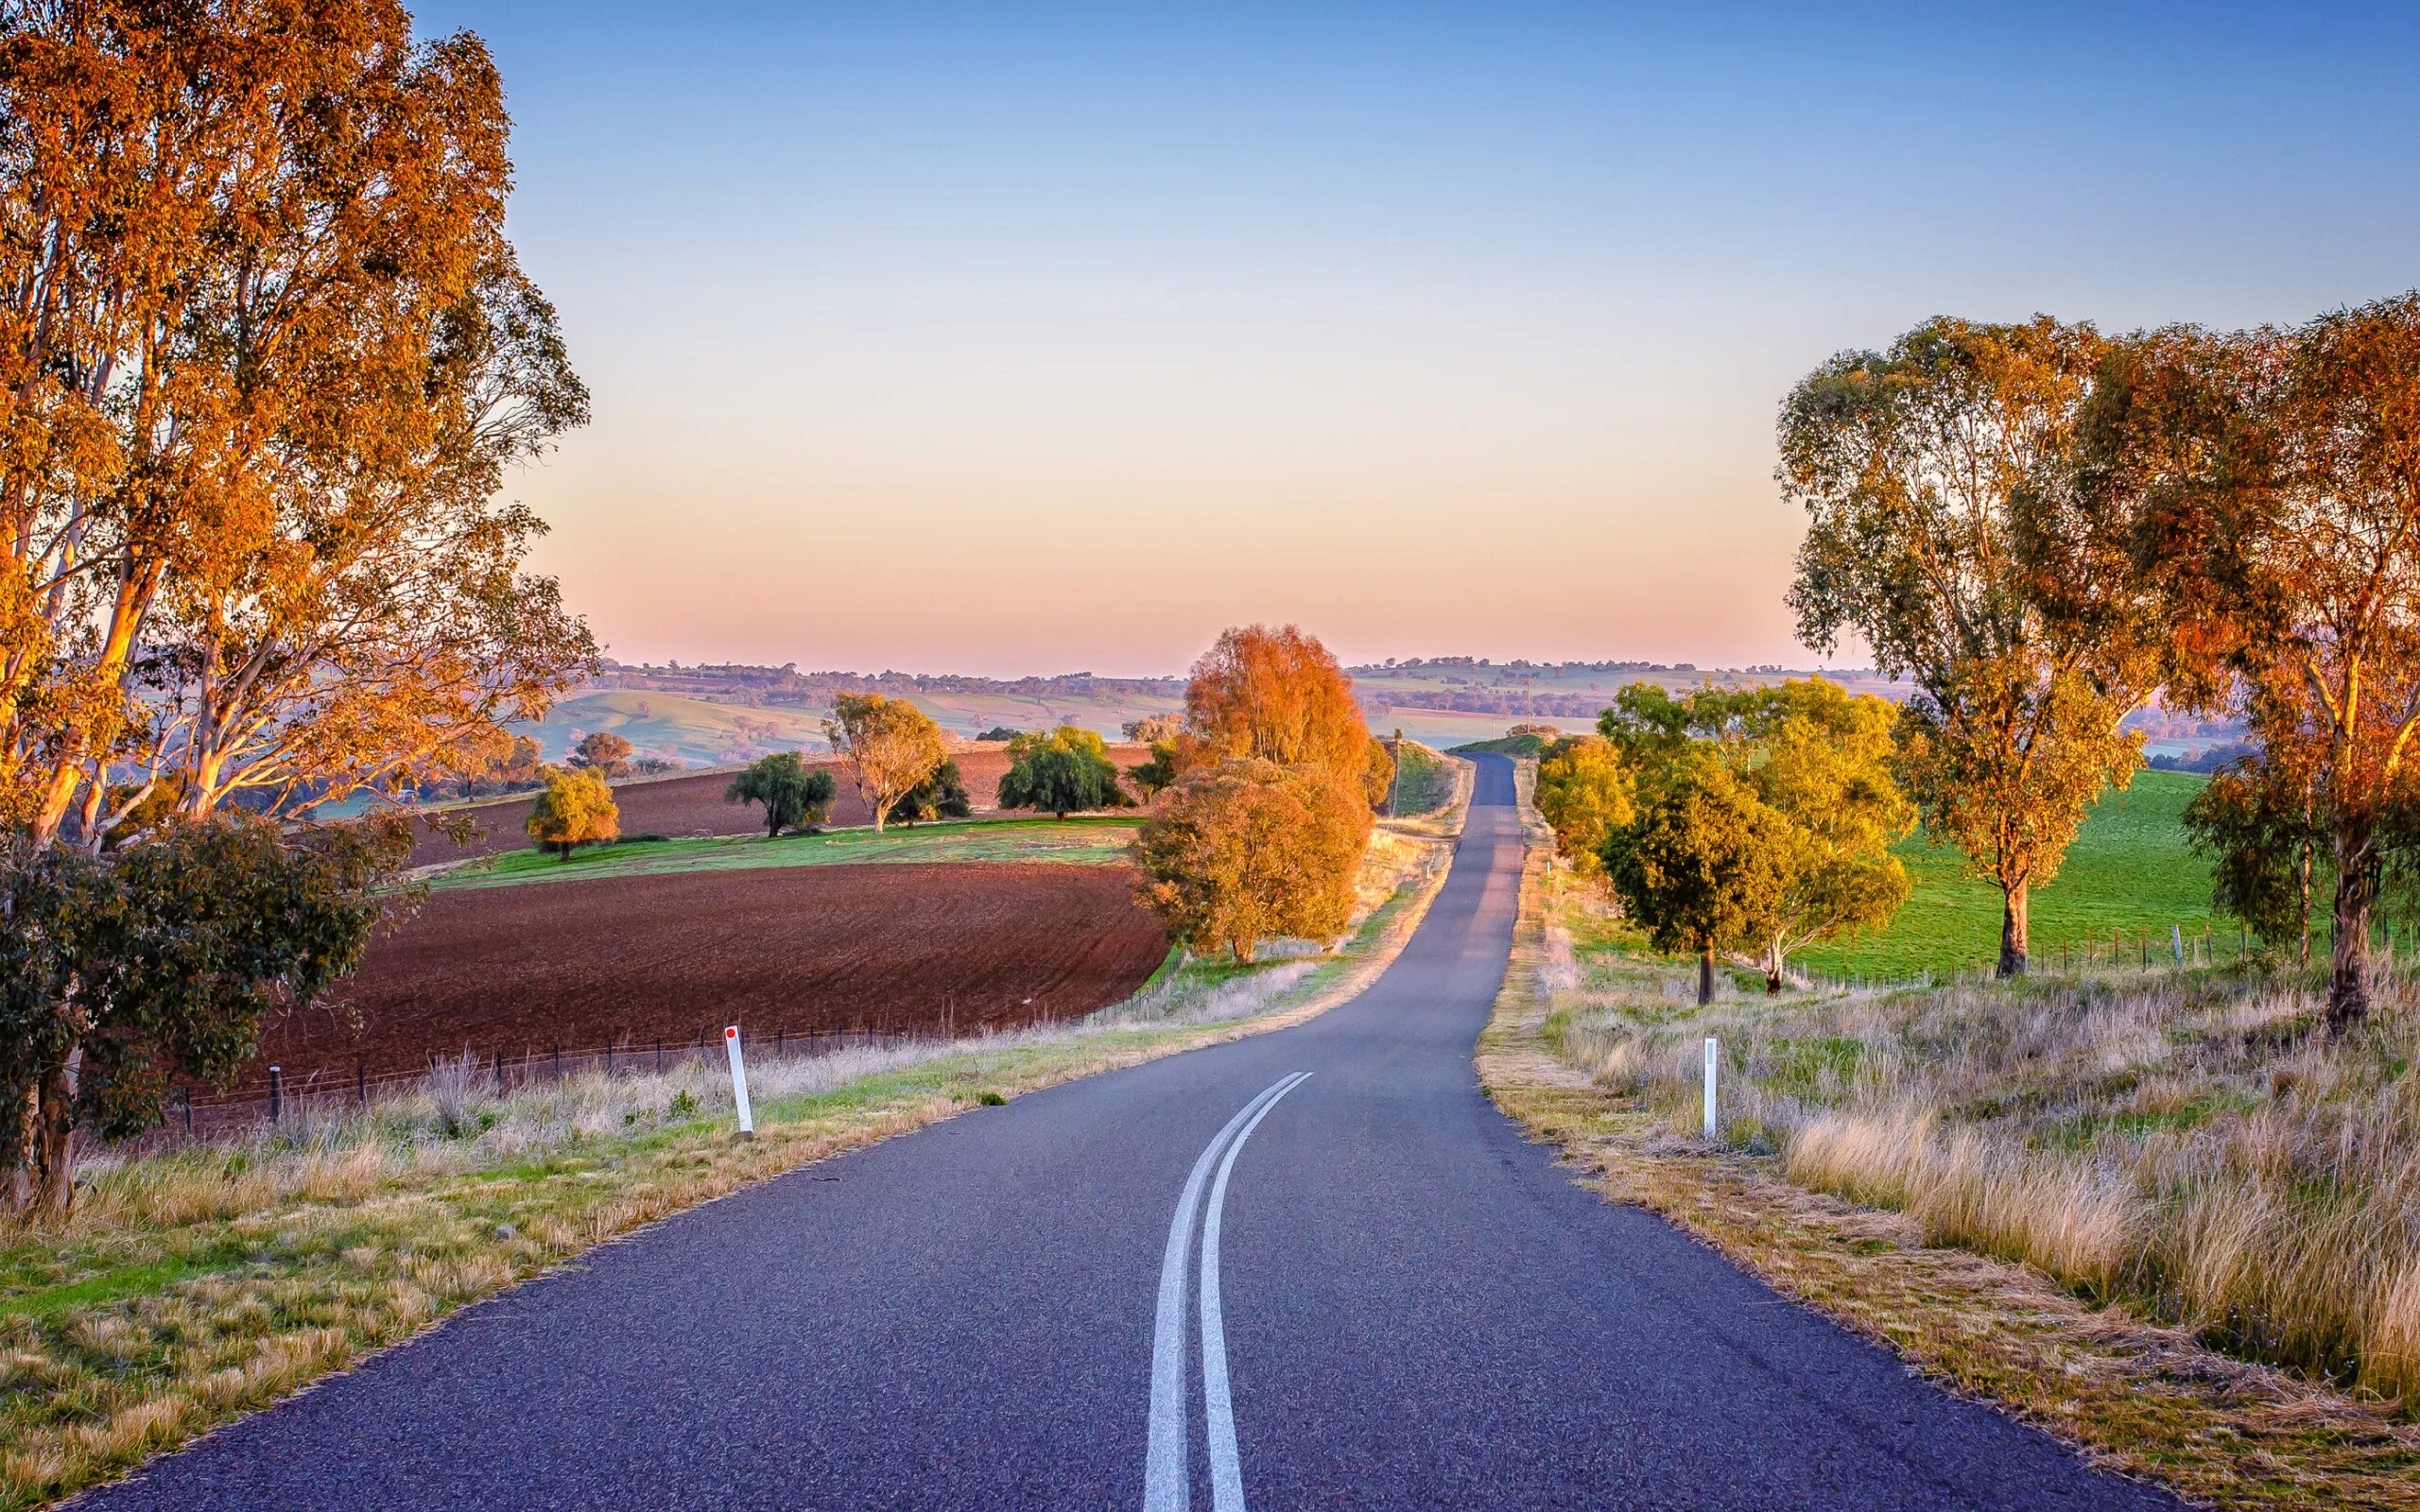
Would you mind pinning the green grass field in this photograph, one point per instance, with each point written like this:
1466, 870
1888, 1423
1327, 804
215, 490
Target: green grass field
1083, 841
2128, 868
1521, 747
1424, 780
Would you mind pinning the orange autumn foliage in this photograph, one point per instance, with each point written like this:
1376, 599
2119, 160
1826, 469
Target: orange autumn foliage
265, 354
1274, 695
1247, 850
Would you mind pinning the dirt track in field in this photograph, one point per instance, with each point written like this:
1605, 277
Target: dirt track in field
794, 950
684, 806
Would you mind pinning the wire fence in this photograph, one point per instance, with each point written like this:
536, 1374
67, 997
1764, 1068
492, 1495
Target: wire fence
282, 1096
2138, 947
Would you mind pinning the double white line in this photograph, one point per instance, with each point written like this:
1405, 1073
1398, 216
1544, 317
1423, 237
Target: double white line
1166, 1485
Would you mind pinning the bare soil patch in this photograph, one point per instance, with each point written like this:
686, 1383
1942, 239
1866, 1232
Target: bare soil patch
894, 949
684, 806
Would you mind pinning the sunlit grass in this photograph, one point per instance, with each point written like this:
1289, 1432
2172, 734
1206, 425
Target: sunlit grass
2184, 1139
1084, 840
2129, 871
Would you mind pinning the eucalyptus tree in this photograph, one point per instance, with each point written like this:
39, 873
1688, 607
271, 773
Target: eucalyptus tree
1937, 476
2271, 481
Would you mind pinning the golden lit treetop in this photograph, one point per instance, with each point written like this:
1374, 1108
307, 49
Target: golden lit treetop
888, 743
1276, 695
267, 356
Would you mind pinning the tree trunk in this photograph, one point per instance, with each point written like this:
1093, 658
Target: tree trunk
22, 1180
1705, 977
1773, 962
2303, 951
2015, 921
2348, 981
56, 1187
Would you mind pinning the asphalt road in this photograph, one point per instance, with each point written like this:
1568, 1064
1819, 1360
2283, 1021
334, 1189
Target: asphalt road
1411, 1307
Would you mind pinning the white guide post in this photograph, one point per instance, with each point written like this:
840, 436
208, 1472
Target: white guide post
740, 1083
1713, 1058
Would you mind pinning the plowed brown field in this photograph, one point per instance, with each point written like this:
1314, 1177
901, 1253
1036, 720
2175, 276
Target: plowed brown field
682, 806
793, 950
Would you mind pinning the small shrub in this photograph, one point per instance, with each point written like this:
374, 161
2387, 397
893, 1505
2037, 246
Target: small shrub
992, 1100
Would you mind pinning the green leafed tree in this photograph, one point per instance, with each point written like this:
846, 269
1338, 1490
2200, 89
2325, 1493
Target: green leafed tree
1822, 760
941, 796
1585, 795
120, 975
795, 796
2258, 823
575, 808
1066, 772
1166, 764
1935, 476
1704, 866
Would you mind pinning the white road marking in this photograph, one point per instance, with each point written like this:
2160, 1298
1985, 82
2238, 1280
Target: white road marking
1164, 1487
1226, 1472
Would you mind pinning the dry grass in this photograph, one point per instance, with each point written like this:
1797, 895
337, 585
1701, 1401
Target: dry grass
192, 1285
1891, 1159
2187, 1142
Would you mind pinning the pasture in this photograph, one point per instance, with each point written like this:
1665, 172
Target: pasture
2129, 871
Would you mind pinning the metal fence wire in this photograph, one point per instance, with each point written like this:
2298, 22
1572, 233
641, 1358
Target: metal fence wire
282, 1095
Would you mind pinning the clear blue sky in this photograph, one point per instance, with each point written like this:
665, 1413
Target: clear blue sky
1021, 337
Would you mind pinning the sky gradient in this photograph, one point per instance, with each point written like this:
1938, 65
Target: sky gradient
1035, 338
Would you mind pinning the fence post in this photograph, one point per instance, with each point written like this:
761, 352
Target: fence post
2176, 941
1713, 1058
360, 1084
276, 1095
188, 1096
658, 1055
740, 1083
559, 1062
